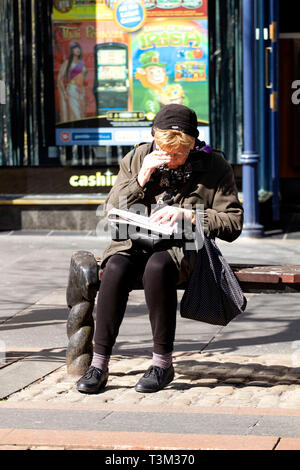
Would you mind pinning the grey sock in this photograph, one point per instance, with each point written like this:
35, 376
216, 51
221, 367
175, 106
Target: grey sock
100, 361
162, 360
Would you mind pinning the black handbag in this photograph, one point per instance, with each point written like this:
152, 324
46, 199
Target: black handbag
146, 240
213, 294
153, 241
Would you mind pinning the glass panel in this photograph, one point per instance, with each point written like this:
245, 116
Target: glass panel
178, 30
226, 81
27, 117
117, 63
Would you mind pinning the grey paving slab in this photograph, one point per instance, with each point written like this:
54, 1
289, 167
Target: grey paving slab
33, 266
42, 419
56, 298
271, 324
180, 423
9, 308
20, 374
37, 327
127, 422
281, 425
151, 422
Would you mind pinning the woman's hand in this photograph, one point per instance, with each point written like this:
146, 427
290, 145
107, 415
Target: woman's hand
152, 161
169, 214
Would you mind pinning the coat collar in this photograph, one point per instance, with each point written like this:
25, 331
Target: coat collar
200, 156
200, 161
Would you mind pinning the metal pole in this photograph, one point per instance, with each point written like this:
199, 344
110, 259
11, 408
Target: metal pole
250, 157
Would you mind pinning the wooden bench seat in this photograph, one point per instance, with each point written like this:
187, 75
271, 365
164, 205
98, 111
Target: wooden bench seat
259, 278
268, 279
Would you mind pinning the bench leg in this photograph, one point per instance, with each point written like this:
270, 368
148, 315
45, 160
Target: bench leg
82, 289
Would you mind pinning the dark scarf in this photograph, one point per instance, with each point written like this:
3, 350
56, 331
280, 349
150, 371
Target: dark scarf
172, 178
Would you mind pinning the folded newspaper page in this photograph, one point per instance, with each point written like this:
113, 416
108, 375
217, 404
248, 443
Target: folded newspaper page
121, 216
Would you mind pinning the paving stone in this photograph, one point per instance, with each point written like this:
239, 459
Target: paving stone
268, 402
243, 391
289, 378
278, 389
207, 382
187, 390
256, 383
209, 401
234, 380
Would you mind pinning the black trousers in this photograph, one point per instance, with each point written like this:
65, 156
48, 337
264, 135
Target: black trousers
159, 274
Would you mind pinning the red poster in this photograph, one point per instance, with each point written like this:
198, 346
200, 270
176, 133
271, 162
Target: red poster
75, 79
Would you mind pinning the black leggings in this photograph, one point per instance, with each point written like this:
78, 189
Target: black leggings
160, 275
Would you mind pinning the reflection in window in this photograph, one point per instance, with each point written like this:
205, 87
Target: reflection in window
92, 156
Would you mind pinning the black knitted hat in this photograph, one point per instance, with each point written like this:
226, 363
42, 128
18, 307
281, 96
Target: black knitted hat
177, 117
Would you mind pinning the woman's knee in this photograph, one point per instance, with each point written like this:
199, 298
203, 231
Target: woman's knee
118, 267
160, 266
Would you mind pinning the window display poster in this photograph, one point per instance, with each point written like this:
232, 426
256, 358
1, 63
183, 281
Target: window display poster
116, 64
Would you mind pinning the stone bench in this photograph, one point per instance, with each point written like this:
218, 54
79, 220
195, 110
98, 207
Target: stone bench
84, 283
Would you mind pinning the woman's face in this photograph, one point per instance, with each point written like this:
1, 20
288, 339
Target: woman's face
76, 51
178, 155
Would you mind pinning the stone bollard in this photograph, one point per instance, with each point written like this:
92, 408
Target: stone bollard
82, 289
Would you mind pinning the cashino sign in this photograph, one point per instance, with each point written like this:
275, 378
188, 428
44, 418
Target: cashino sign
99, 180
58, 180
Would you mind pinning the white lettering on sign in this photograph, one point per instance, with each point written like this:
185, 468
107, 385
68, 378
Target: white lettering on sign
127, 136
90, 181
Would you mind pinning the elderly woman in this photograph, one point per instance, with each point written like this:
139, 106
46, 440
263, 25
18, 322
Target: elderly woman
174, 171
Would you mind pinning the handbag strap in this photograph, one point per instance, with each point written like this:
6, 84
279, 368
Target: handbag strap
199, 232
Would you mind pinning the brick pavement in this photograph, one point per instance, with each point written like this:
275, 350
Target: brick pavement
201, 380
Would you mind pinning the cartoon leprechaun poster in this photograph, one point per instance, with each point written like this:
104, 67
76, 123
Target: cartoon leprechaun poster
153, 76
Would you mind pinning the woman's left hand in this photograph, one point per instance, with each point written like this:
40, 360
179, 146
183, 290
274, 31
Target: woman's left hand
169, 214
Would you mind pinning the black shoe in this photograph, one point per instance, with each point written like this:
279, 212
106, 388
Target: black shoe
154, 379
92, 381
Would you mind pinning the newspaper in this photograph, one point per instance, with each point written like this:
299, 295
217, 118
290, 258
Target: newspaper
121, 216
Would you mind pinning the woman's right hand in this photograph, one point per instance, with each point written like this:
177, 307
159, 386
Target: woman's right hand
150, 163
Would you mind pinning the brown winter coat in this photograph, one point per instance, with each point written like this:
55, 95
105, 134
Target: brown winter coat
212, 184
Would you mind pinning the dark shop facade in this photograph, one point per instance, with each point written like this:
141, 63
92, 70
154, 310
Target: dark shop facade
82, 80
